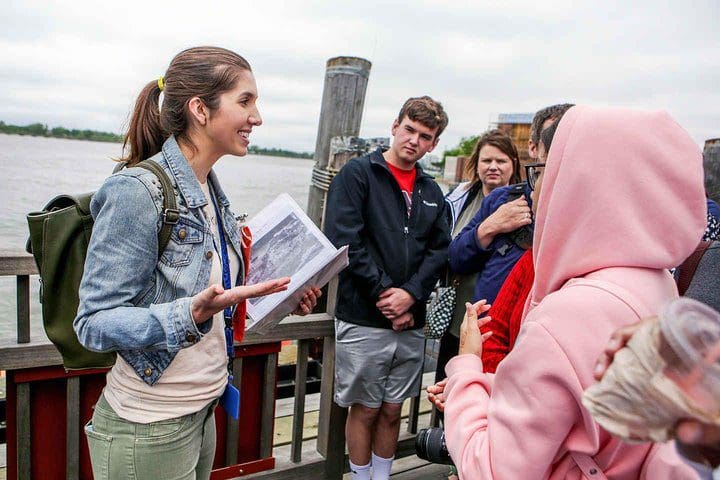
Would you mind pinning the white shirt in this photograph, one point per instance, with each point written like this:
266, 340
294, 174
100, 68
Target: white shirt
195, 377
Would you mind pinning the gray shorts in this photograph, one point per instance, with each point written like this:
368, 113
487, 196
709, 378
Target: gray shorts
376, 365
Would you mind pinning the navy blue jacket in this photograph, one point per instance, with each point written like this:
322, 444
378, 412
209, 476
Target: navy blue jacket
366, 210
492, 264
713, 208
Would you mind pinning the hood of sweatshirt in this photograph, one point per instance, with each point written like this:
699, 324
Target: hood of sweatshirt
621, 188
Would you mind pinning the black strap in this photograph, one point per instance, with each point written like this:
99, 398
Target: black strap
170, 214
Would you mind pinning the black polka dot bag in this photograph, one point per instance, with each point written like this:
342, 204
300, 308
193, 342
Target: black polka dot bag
440, 312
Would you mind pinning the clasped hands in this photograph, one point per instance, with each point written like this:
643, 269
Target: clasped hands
394, 303
471, 340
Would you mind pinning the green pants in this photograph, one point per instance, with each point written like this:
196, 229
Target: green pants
177, 449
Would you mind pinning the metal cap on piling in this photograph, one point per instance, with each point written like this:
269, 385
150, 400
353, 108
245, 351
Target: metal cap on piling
349, 65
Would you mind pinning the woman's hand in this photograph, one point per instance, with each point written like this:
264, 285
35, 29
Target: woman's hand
618, 340
215, 298
471, 339
308, 302
436, 394
507, 218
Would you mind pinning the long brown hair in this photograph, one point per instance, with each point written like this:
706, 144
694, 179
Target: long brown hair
204, 72
500, 140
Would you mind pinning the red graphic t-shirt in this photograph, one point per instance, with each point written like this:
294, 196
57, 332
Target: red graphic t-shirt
406, 180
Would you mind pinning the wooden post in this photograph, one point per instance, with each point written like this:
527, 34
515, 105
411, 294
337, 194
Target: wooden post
233, 426
331, 424
23, 309
23, 447
267, 413
299, 409
340, 114
72, 439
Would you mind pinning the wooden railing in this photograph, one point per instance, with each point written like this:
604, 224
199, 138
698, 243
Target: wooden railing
326, 460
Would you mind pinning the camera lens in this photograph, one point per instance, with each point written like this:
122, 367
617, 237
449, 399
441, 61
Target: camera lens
430, 445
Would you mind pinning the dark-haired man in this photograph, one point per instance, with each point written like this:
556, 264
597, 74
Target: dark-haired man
541, 120
392, 216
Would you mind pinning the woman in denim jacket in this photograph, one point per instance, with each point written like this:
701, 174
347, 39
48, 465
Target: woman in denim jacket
164, 316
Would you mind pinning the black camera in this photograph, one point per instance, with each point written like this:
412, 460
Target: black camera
523, 236
430, 445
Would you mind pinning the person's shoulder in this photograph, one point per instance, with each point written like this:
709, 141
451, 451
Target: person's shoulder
565, 315
132, 178
501, 193
356, 166
713, 208
497, 197
428, 181
458, 192
358, 163
134, 183
433, 186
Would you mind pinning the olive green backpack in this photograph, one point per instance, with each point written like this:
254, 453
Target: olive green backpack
59, 238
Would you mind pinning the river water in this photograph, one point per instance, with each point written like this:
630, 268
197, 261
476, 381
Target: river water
33, 170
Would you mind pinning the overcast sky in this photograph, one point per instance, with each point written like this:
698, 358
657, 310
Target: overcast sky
81, 64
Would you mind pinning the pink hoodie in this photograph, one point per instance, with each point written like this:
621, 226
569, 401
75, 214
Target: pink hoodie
621, 201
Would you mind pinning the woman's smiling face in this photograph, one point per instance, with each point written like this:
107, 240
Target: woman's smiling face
229, 126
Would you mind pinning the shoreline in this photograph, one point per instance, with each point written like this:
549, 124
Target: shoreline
252, 150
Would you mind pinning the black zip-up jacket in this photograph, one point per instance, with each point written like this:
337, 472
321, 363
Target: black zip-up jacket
366, 210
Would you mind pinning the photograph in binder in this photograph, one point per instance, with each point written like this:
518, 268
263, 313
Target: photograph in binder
287, 243
283, 251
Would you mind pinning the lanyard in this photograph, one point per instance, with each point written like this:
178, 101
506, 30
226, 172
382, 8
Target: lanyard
227, 284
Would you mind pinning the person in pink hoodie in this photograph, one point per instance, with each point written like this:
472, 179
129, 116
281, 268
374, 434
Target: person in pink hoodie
619, 202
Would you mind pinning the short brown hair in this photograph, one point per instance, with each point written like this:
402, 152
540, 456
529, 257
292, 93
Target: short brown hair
552, 112
426, 111
500, 140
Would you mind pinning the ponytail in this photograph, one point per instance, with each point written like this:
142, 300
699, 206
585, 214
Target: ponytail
145, 135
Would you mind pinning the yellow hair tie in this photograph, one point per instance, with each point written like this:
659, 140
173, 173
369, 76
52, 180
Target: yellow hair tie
161, 83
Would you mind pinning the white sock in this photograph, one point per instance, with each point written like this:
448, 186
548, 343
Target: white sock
381, 467
359, 472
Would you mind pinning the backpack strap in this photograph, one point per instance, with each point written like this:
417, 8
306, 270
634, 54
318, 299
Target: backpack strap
170, 214
688, 267
587, 464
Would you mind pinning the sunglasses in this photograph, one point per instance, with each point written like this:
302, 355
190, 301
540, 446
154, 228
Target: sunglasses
532, 173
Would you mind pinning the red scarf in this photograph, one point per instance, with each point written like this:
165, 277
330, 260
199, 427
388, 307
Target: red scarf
240, 313
506, 313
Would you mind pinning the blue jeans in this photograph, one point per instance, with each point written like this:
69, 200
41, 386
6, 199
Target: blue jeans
177, 449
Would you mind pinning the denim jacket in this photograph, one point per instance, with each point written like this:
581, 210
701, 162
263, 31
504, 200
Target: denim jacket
131, 301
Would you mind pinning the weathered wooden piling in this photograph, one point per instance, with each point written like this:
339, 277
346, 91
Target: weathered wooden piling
343, 99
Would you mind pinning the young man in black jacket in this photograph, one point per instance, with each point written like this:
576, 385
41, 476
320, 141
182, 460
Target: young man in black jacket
392, 216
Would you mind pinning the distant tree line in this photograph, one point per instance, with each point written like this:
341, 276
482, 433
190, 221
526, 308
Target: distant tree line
41, 130
278, 152
464, 148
